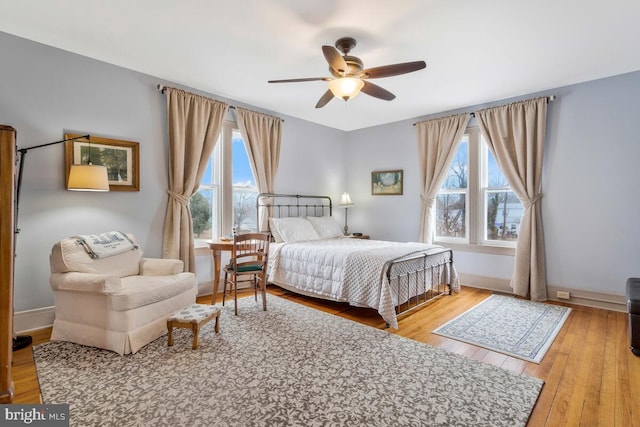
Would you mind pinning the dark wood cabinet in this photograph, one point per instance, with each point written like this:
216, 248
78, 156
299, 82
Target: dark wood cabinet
7, 212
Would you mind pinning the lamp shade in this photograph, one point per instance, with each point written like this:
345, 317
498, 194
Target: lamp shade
346, 87
345, 200
88, 178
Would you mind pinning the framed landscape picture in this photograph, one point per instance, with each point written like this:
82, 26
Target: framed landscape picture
121, 158
386, 183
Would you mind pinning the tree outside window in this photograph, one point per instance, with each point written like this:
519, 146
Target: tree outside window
451, 201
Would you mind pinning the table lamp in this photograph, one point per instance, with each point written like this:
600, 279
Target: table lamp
346, 203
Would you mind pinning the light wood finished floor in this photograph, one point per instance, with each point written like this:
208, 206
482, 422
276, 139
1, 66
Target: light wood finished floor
591, 377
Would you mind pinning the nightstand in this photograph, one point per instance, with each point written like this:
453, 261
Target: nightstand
364, 236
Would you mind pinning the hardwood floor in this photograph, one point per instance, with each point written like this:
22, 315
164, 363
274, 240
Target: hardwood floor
591, 377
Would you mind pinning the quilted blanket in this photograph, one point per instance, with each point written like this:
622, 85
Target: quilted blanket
348, 270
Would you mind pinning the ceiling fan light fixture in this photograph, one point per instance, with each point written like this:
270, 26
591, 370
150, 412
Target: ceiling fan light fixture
346, 87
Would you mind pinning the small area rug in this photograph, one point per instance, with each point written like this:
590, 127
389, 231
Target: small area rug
290, 365
516, 327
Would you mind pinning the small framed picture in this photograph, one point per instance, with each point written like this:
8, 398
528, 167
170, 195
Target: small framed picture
386, 183
121, 158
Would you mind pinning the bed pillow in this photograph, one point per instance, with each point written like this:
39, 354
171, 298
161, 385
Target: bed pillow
292, 229
326, 226
273, 228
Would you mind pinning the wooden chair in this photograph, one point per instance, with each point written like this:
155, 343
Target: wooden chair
249, 257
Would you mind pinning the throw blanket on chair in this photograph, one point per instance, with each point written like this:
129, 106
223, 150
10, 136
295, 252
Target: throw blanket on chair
106, 244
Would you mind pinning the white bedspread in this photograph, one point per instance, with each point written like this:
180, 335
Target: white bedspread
345, 269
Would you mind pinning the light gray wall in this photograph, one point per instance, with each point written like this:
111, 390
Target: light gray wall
45, 92
590, 185
591, 178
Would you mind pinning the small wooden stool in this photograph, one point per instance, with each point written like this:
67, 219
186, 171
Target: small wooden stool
193, 317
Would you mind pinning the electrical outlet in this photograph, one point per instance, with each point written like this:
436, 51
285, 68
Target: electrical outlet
563, 295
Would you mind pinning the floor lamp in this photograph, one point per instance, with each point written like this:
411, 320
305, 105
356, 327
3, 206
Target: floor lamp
87, 177
346, 203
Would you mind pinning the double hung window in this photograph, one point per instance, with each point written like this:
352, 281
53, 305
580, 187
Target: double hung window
475, 205
226, 198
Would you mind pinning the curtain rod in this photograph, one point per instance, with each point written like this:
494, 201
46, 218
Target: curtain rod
161, 88
550, 98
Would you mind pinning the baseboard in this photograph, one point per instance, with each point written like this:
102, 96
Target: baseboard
577, 296
30, 320
483, 282
205, 288
589, 299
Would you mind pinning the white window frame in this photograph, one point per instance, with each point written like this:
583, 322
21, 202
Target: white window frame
476, 217
222, 208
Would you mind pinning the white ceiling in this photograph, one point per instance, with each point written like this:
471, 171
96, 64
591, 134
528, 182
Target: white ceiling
476, 51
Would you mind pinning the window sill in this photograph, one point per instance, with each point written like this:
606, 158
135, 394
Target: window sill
481, 249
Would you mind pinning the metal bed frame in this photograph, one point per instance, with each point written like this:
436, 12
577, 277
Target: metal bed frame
416, 278
293, 206
419, 276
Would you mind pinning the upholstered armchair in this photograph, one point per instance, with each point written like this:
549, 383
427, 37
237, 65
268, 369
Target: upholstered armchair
117, 301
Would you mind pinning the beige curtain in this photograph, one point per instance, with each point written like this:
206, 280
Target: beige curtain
194, 125
515, 134
437, 143
262, 135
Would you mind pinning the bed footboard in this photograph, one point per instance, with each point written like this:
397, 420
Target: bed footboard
420, 277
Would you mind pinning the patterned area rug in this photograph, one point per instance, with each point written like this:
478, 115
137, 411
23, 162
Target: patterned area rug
519, 328
290, 365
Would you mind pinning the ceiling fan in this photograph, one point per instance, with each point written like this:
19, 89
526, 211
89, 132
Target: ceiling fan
349, 77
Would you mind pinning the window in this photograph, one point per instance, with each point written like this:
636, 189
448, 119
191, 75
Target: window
475, 205
502, 210
451, 201
227, 194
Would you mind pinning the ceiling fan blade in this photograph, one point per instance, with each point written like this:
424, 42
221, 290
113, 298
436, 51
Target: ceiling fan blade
308, 79
335, 60
392, 70
376, 91
326, 97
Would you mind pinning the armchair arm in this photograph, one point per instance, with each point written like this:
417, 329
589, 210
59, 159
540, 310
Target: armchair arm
160, 267
85, 282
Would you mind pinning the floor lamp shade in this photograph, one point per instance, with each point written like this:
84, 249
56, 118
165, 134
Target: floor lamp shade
88, 178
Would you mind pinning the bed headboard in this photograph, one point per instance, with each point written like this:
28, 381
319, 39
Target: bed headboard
292, 205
